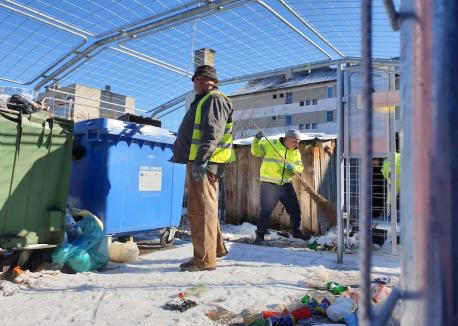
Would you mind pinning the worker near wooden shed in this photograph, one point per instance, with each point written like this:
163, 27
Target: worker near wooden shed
281, 159
204, 144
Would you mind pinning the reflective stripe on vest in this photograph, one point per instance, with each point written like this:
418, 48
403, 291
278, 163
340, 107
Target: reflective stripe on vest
273, 167
224, 153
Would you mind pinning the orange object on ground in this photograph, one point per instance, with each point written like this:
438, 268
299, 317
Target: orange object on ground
18, 270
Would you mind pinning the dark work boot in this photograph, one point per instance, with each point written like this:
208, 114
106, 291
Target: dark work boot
259, 239
299, 235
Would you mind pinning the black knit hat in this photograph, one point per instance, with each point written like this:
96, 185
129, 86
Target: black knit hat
205, 71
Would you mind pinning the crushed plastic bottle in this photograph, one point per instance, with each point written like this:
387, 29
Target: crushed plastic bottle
195, 291
336, 288
309, 301
313, 246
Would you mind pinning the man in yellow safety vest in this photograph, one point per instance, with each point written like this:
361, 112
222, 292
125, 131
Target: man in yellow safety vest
204, 144
280, 161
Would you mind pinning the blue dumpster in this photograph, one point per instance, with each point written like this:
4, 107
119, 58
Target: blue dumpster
121, 173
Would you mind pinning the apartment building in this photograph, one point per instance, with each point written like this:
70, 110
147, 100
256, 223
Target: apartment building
305, 101
81, 102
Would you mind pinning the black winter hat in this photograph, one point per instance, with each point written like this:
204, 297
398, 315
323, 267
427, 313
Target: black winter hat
206, 71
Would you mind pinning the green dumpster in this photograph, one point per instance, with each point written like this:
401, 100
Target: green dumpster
35, 162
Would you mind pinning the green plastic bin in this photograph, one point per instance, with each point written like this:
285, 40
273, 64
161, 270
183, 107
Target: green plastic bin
35, 162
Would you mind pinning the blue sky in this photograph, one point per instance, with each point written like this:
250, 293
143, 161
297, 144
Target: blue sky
247, 39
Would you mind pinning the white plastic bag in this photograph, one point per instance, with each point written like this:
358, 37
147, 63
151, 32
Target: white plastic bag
341, 307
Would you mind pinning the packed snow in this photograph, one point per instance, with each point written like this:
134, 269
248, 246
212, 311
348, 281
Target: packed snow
249, 279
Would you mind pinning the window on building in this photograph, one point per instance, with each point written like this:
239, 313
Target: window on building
314, 102
314, 125
289, 98
289, 120
329, 116
301, 103
301, 126
307, 126
281, 95
330, 91
274, 96
307, 102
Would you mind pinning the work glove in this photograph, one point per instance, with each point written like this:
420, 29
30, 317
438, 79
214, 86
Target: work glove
290, 166
260, 134
199, 170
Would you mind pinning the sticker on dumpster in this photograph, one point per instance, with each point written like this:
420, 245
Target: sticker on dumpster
150, 178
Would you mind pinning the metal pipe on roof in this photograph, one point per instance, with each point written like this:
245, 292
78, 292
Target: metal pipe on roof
46, 18
149, 18
311, 28
216, 5
365, 309
167, 105
152, 60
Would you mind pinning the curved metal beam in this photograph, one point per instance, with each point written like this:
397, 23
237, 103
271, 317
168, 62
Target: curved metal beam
51, 22
210, 7
310, 27
308, 39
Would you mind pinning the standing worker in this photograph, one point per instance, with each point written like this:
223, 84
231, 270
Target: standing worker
204, 144
276, 180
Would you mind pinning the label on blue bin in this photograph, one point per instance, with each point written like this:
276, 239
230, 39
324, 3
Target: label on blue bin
150, 178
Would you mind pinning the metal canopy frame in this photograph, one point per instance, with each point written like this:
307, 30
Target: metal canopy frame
124, 34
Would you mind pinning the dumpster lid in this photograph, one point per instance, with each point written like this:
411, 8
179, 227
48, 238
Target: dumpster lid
126, 129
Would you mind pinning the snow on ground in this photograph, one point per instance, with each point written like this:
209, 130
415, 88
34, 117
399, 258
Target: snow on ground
249, 277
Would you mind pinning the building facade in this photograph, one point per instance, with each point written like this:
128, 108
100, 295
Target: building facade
80, 102
306, 101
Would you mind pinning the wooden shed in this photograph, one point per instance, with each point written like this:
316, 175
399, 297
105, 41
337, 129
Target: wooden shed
242, 186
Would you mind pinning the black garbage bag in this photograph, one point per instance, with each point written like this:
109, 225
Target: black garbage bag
19, 103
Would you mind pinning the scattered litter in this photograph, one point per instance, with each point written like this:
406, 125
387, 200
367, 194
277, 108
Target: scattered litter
252, 318
382, 280
86, 252
8, 288
221, 315
301, 313
180, 305
379, 292
352, 295
336, 288
283, 234
351, 319
121, 252
285, 319
18, 270
316, 246
32, 279
340, 308
195, 291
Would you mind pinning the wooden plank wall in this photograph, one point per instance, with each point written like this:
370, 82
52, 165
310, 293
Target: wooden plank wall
242, 187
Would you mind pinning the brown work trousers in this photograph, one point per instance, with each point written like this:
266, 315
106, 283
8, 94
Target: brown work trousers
203, 219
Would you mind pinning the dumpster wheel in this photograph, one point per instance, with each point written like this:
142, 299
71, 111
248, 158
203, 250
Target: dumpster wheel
165, 238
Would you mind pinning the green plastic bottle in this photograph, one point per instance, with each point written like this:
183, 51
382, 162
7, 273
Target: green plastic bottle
336, 288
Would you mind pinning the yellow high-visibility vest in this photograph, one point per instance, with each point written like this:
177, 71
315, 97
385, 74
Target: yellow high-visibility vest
273, 168
224, 153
